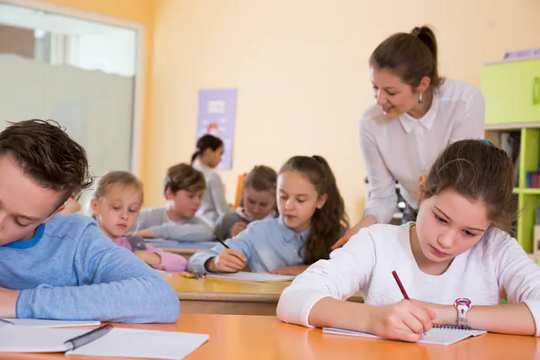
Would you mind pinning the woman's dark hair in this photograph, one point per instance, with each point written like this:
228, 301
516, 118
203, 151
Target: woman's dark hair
477, 170
410, 56
261, 178
184, 177
206, 142
48, 155
124, 178
329, 222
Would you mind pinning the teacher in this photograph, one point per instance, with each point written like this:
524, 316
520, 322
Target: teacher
417, 115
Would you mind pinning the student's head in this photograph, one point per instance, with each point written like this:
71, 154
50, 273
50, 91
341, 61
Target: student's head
403, 69
117, 202
259, 195
468, 189
308, 195
209, 150
40, 168
184, 188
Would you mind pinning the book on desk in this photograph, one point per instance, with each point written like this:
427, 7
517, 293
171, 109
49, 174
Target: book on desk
103, 341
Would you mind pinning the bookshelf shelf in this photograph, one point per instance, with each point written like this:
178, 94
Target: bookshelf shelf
513, 123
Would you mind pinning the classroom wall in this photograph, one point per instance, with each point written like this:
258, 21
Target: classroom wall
300, 68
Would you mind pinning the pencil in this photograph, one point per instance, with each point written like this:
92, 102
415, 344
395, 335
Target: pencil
223, 243
398, 281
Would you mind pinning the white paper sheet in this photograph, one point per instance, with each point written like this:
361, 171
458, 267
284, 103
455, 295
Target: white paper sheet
143, 343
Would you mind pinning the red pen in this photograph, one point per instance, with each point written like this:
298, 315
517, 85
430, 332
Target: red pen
398, 281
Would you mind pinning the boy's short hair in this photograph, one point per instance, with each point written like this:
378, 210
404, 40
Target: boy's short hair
261, 178
184, 177
48, 155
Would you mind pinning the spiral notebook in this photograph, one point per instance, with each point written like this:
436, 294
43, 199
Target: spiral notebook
437, 335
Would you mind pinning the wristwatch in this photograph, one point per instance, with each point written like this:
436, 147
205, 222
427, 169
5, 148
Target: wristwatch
462, 305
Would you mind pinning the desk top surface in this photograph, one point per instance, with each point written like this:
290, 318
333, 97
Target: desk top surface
265, 337
220, 289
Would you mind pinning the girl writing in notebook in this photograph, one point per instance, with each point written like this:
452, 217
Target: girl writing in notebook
258, 198
456, 262
312, 218
205, 159
116, 205
184, 188
417, 114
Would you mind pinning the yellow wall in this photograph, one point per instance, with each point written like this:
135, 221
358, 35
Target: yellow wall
301, 72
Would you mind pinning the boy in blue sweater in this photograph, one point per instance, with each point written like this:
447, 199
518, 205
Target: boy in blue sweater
63, 267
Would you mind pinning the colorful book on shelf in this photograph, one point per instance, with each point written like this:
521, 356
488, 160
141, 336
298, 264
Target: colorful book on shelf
437, 335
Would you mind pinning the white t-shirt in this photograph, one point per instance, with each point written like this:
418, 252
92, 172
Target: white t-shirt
496, 267
404, 149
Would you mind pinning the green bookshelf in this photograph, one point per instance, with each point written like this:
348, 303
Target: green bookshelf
512, 95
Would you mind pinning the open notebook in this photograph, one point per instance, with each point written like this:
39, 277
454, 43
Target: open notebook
250, 276
116, 342
437, 335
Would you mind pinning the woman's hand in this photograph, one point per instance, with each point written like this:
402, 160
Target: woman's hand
230, 260
368, 220
238, 227
290, 270
406, 320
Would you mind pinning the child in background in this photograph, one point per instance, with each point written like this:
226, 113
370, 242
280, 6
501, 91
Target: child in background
456, 263
312, 218
206, 159
258, 198
184, 188
116, 205
64, 267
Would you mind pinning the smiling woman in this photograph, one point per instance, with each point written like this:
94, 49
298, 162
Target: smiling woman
416, 116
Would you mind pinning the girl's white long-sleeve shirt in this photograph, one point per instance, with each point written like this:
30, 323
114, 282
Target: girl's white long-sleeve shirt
495, 268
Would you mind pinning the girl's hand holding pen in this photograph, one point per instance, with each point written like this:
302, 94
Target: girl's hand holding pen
406, 320
229, 260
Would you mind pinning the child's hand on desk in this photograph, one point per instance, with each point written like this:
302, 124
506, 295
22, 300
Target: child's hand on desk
8, 302
237, 228
290, 270
230, 260
406, 320
148, 257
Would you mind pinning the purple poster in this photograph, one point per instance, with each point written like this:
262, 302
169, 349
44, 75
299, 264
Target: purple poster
217, 113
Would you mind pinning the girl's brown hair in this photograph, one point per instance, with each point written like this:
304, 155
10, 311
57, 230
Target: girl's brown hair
477, 170
329, 222
184, 177
411, 56
261, 178
123, 178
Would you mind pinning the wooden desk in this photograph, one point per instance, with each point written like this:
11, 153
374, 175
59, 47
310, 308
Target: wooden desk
265, 337
217, 296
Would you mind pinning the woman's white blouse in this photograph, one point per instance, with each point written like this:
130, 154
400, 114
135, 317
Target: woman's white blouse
403, 149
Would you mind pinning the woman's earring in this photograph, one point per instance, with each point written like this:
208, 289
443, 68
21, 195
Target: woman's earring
421, 98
